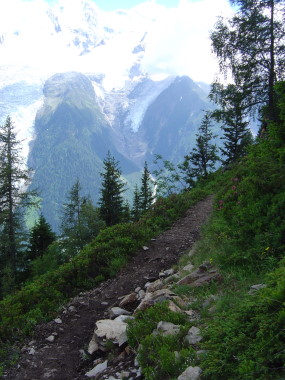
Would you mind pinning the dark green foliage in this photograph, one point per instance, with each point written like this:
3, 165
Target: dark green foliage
111, 200
41, 236
233, 116
136, 209
247, 341
204, 156
80, 222
146, 190
13, 200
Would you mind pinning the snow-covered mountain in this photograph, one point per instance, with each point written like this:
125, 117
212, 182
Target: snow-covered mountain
74, 70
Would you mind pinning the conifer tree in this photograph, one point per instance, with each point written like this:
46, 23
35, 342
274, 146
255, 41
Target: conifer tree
136, 209
146, 191
233, 116
41, 236
111, 201
14, 198
204, 155
80, 221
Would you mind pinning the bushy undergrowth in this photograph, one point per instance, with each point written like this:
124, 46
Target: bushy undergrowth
41, 299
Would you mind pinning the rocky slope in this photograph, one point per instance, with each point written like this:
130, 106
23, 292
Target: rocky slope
59, 349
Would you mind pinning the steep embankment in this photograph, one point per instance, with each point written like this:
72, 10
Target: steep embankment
64, 356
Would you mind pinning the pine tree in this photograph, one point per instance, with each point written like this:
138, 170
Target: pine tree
204, 155
41, 236
80, 221
146, 190
251, 46
14, 198
111, 202
233, 116
136, 209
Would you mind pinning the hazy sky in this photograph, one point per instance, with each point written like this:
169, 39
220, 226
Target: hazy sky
111, 5
177, 42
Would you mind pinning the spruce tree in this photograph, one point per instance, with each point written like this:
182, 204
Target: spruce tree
233, 116
14, 198
111, 201
136, 209
80, 221
204, 155
146, 190
41, 236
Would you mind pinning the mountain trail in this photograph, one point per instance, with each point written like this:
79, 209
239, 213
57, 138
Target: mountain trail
58, 349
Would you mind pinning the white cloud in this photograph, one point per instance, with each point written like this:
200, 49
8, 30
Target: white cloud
177, 41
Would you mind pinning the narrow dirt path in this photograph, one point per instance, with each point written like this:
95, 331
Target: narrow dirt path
63, 359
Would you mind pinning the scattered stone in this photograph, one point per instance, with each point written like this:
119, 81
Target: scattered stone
72, 309
191, 373
141, 294
116, 311
130, 298
97, 370
155, 297
156, 285
205, 274
169, 272
32, 351
104, 303
49, 373
137, 289
145, 248
108, 329
256, 288
167, 328
173, 307
125, 374
58, 320
193, 336
187, 268
51, 338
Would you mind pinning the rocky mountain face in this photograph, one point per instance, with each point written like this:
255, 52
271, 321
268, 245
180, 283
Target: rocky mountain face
83, 90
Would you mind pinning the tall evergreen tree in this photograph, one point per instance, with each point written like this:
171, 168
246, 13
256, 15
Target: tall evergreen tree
111, 202
233, 116
251, 46
146, 190
14, 198
204, 155
80, 221
41, 236
136, 209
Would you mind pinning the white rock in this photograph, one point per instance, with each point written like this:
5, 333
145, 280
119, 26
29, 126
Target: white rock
32, 351
114, 330
193, 336
167, 328
116, 311
188, 268
145, 248
58, 320
191, 373
51, 338
97, 370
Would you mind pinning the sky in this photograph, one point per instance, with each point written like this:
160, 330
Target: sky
112, 5
177, 42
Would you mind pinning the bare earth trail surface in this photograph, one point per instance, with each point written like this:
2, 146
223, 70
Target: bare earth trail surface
64, 359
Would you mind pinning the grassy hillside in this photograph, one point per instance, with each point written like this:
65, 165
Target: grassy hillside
243, 330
